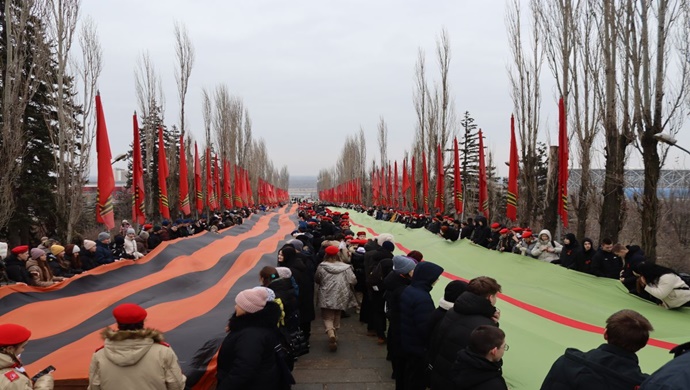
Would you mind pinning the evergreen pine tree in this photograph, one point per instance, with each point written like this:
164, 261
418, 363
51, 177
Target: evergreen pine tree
469, 162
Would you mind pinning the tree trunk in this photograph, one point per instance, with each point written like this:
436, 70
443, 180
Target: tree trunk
612, 210
582, 211
650, 201
550, 221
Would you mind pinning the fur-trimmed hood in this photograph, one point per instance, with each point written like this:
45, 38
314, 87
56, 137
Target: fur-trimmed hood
126, 348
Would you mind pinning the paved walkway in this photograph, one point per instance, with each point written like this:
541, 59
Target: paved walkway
360, 363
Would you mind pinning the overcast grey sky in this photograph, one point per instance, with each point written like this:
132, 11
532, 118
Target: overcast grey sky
313, 72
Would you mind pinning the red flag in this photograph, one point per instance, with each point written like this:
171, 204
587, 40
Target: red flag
138, 194
238, 197
457, 179
210, 198
562, 163
184, 185
440, 181
425, 184
395, 185
413, 185
162, 177
197, 181
216, 176
483, 190
511, 202
106, 180
227, 193
405, 184
389, 186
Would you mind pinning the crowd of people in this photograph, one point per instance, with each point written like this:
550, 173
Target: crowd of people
327, 267
626, 263
52, 262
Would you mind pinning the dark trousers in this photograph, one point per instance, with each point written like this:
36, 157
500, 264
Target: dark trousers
416, 373
365, 311
399, 363
306, 328
378, 313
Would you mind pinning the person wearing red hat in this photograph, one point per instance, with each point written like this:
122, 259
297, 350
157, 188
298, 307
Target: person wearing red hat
134, 357
525, 245
505, 240
15, 264
13, 339
335, 279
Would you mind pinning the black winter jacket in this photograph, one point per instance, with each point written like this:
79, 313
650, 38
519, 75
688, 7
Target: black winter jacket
305, 283
395, 284
473, 372
284, 290
16, 270
247, 359
633, 258
571, 254
482, 232
606, 264
372, 259
453, 335
416, 307
605, 368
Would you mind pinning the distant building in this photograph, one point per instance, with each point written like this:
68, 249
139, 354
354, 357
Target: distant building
670, 181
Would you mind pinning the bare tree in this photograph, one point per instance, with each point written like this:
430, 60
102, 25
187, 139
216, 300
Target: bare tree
184, 53
382, 136
26, 54
420, 101
207, 113
447, 111
524, 74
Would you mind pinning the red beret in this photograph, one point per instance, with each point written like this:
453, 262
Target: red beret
129, 313
444, 228
332, 250
358, 242
349, 237
148, 226
326, 218
527, 234
361, 233
346, 213
345, 217
495, 225
12, 334
517, 229
20, 249
504, 231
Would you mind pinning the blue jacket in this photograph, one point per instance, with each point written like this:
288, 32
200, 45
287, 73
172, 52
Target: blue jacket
674, 375
103, 254
416, 309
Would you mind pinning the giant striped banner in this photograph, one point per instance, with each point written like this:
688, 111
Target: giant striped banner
188, 287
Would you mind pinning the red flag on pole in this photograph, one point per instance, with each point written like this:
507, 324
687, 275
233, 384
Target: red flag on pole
238, 197
513, 169
425, 184
483, 189
562, 163
216, 177
227, 193
405, 184
413, 185
457, 179
395, 185
184, 185
440, 181
389, 186
210, 201
197, 181
162, 177
138, 194
106, 180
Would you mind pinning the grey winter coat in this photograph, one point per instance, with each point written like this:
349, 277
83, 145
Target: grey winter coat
336, 281
540, 250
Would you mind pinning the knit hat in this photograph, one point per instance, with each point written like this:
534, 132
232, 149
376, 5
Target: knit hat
403, 264
129, 313
252, 300
331, 250
88, 244
454, 289
12, 334
144, 235
389, 246
72, 249
20, 249
36, 253
270, 294
297, 244
57, 249
103, 236
131, 231
284, 272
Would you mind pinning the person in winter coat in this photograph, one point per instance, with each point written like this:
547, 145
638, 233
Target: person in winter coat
134, 357
72, 256
247, 359
283, 289
612, 366
336, 281
632, 256
664, 284
131, 245
13, 340
478, 367
117, 247
474, 307
142, 241
588, 252
15, 265
57, 262
571, 253
395, 283
40, 270
374, 303
481, 233
103, 253
287, 257
673, 375
416, 309
89, 255
605, 263
526, 244
452, 292
546, 249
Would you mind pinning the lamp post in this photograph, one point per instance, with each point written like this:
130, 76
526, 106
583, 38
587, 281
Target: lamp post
669, 139
118, 158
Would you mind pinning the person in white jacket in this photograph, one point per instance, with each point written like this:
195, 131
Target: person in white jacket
131, 244
663, 284
546, 249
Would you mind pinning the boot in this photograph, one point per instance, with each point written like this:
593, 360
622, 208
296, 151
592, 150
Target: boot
332, 341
